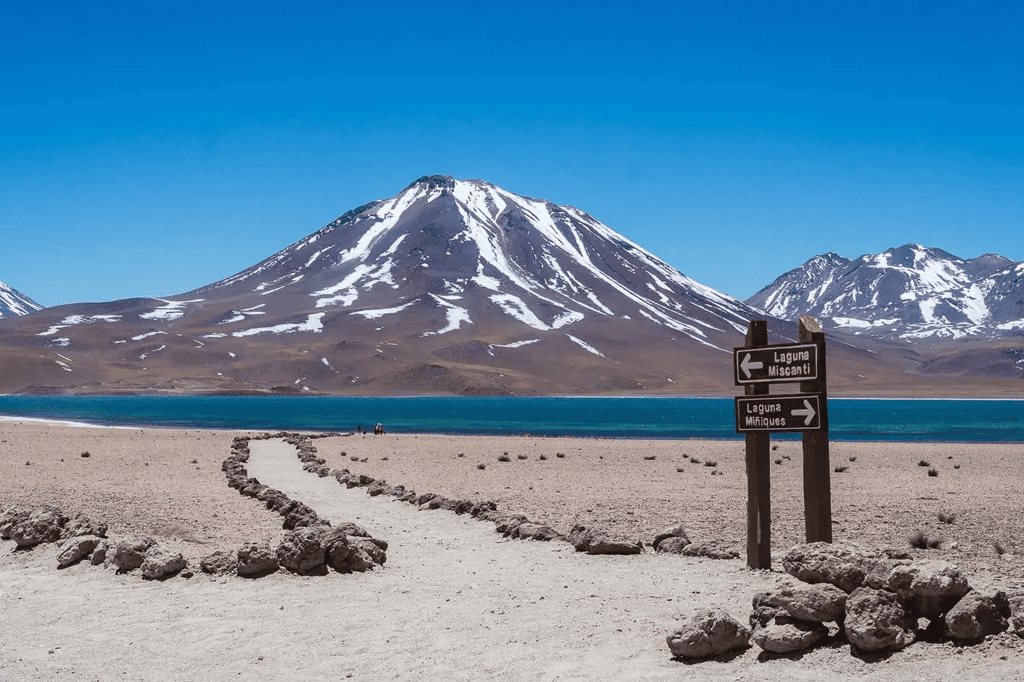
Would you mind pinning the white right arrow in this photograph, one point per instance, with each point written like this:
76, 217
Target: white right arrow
746, 365
807, 413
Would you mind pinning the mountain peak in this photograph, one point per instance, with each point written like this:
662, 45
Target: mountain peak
909, 291
13, 302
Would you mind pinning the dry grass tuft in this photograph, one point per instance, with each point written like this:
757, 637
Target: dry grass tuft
920, 540
946, 518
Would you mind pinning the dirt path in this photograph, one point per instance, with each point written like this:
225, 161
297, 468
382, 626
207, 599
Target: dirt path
455, 602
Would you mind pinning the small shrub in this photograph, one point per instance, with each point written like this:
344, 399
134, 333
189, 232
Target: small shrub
694, 460
716, 472
786, 457
195, 461
841, 469
999, 547
949, 457
933, 472
354, 459
383, 459
921, 541
520, 456
924, 463
462, 454
956, 466
365, 459
853, 459
649, 457
679, 470
946, 518
778, 461
86, 454
543, 458
504, 458
481, 466
710, 463
560, 455
775, 447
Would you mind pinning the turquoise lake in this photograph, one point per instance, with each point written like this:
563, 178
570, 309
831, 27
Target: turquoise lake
982, 421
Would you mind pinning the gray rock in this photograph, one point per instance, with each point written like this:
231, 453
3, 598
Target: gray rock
973, 617
932, 587
1016, 608
161, 563
83, 525
676, 531
42, 525
535, 531
302, 550
11, 516
672, 545
349, 528
712, 549
784, 638
372, 549
602, 544
128, 553
75, 548
99, 554
580, 537
845, 565
219, 563
876, 620
821, 602
256, 559
708, 633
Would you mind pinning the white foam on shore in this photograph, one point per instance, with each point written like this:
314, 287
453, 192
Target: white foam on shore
63, 422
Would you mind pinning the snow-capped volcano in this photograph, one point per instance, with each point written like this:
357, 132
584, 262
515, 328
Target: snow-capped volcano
909, 292
450, 286
13, 302
474, 255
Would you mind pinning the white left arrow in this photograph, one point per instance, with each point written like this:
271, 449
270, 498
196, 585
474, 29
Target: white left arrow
746, 365
807, 413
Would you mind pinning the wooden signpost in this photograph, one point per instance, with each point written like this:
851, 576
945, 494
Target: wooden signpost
756, 366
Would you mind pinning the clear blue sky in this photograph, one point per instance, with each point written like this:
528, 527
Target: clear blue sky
151, 148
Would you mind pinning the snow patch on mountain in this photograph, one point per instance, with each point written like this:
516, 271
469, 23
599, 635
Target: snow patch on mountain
15, 303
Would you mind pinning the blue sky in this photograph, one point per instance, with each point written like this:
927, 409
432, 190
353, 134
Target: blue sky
151, 148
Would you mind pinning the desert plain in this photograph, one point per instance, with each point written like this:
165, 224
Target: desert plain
455, 600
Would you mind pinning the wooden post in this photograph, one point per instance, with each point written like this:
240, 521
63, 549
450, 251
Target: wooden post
817, 482
759, 503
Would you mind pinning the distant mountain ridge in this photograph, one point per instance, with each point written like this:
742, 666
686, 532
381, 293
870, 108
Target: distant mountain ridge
13, 302
907, 292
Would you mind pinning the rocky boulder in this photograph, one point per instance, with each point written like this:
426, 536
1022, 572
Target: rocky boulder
256, 559
74, 549
1015, 606
10, 517
42, 525
219, 563
677, 532
672, 545
161, 562
535, 531
712, 549
877, 620
845, 565
708, 633
821, 602
785, 638
83, 525
976, 616
302, 551
128, 553
931, 587
602, 544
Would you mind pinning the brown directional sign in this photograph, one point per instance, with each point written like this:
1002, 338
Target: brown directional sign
796, 412
780, 363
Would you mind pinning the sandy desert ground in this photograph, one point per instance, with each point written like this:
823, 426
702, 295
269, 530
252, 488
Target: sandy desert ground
455, 600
